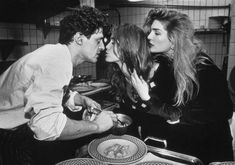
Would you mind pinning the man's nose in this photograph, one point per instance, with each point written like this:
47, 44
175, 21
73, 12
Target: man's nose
101, 45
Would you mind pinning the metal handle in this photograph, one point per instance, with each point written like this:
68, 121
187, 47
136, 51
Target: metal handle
156, 139
175, 156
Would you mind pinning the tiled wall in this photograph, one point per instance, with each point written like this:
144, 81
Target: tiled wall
231, 63
216, 44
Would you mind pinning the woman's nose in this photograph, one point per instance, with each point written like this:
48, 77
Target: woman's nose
108, 46
150, 36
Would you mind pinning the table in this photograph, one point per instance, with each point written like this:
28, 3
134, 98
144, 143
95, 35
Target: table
155, 154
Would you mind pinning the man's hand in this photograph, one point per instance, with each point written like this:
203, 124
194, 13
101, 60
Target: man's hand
88, 102
85, 101
105, 121
69, 101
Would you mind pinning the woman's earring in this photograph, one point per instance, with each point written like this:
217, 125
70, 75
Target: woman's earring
171, 51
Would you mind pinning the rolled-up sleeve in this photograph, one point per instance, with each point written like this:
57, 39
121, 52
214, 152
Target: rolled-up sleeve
48, 127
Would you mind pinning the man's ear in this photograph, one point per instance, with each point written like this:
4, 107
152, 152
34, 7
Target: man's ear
78, 37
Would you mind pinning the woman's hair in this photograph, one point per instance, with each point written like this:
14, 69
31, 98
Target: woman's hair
132, 48
85, 20
186, 47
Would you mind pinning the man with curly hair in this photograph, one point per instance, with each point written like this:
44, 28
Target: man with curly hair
31, 93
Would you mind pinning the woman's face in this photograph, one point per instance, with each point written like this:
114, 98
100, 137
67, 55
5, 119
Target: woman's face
114, 57
158, 38
110, 55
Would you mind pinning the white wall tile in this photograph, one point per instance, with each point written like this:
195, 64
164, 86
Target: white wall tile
233, 23
231, 62
232, 11
232, 36
232, 49
33, 36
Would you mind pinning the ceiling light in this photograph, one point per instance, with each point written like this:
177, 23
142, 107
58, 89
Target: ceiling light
135, 0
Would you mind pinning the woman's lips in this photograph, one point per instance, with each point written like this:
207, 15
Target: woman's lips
151, 44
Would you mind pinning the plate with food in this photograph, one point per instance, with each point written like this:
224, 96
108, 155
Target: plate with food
81, 161
113, 149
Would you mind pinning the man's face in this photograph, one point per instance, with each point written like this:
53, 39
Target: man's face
92, 46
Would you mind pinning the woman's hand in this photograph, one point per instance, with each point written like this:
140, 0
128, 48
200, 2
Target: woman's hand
140, 86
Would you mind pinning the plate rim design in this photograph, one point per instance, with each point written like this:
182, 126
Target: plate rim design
142, 150
75, 161
152, 162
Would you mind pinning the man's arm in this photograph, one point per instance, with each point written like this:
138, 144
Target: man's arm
74, 129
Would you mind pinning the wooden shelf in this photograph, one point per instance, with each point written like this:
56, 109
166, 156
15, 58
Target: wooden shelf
7, 45
210, 31
4, 42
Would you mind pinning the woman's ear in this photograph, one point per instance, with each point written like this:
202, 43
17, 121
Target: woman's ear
172, 40
78, 38
116, 51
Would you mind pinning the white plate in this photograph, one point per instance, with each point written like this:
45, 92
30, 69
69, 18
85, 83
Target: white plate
80, 161
137, 149
83, 88
98, 84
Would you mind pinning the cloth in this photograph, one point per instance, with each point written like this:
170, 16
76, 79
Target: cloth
17, 146
31, 91
202, 128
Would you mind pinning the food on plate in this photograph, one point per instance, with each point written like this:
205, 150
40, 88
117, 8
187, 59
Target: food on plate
117, 151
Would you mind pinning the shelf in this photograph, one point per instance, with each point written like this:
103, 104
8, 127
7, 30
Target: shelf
210, 31
7, 45
46, 28
4, 42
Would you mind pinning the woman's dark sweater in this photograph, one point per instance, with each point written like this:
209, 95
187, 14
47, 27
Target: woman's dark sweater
203, 129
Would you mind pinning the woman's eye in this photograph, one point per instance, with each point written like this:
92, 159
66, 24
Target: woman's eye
156, 32
112, 41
